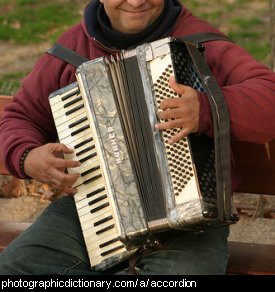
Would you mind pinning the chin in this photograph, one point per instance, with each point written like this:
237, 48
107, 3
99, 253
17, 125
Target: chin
135, 29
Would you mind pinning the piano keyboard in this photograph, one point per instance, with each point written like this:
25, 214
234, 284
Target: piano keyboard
93, 201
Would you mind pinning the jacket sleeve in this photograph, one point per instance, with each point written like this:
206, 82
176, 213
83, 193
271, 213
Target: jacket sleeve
27, 122
249, 91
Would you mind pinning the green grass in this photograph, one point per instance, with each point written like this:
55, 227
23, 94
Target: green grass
10, 83
212, 17
246, 23
33, 21
247, 26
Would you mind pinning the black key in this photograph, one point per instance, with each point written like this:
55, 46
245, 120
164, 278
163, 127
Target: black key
75, 92
92, 179
87, 157
112, 250
97, 200
99, 207
85, 150
96, 192
108, 242
83, 143
80, 130
78, 122
103, 220
74, 109
72, 101
105, 229
90, 170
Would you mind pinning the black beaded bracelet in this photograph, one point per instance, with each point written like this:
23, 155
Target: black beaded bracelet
22, 161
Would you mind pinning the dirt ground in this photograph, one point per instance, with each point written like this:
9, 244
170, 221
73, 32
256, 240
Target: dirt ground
24, 55
24, 200
256, 225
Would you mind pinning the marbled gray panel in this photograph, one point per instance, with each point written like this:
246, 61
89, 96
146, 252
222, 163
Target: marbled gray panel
113, 146
186, 214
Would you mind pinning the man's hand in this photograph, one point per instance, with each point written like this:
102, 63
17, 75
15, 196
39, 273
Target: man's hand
183, 110
47, 165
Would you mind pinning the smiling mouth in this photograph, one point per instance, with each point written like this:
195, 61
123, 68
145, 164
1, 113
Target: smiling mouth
136, 12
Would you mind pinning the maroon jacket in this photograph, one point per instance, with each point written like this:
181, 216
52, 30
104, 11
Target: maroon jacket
248, 87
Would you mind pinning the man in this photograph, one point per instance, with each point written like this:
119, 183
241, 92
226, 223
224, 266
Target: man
54, 244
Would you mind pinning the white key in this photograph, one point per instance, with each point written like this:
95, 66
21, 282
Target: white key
88, 218
69, 139
65, 126
87, 209
90, 179
85, 166
84, 190
74, 91
95, 245
66, 119
66, 103
88, 201
74, 108
72, 132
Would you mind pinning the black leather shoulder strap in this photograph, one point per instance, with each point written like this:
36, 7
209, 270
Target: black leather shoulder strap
67, 55
204, 37
75, 59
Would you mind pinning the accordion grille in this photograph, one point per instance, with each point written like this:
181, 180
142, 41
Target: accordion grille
186, 74
178, 154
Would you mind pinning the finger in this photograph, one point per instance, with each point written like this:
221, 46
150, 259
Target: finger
183, 133
177, 87
64, 179
59, 147
171, 114
70, 190
55, 184
169, 125
66, 149
64, 163
169, 103
72, 163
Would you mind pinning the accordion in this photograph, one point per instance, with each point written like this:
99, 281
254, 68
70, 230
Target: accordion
134, 186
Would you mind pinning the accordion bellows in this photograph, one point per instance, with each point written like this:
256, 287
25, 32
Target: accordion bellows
134, 187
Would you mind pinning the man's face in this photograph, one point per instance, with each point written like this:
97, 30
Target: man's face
132, 16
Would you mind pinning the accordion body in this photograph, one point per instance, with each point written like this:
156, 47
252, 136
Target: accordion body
134, 187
